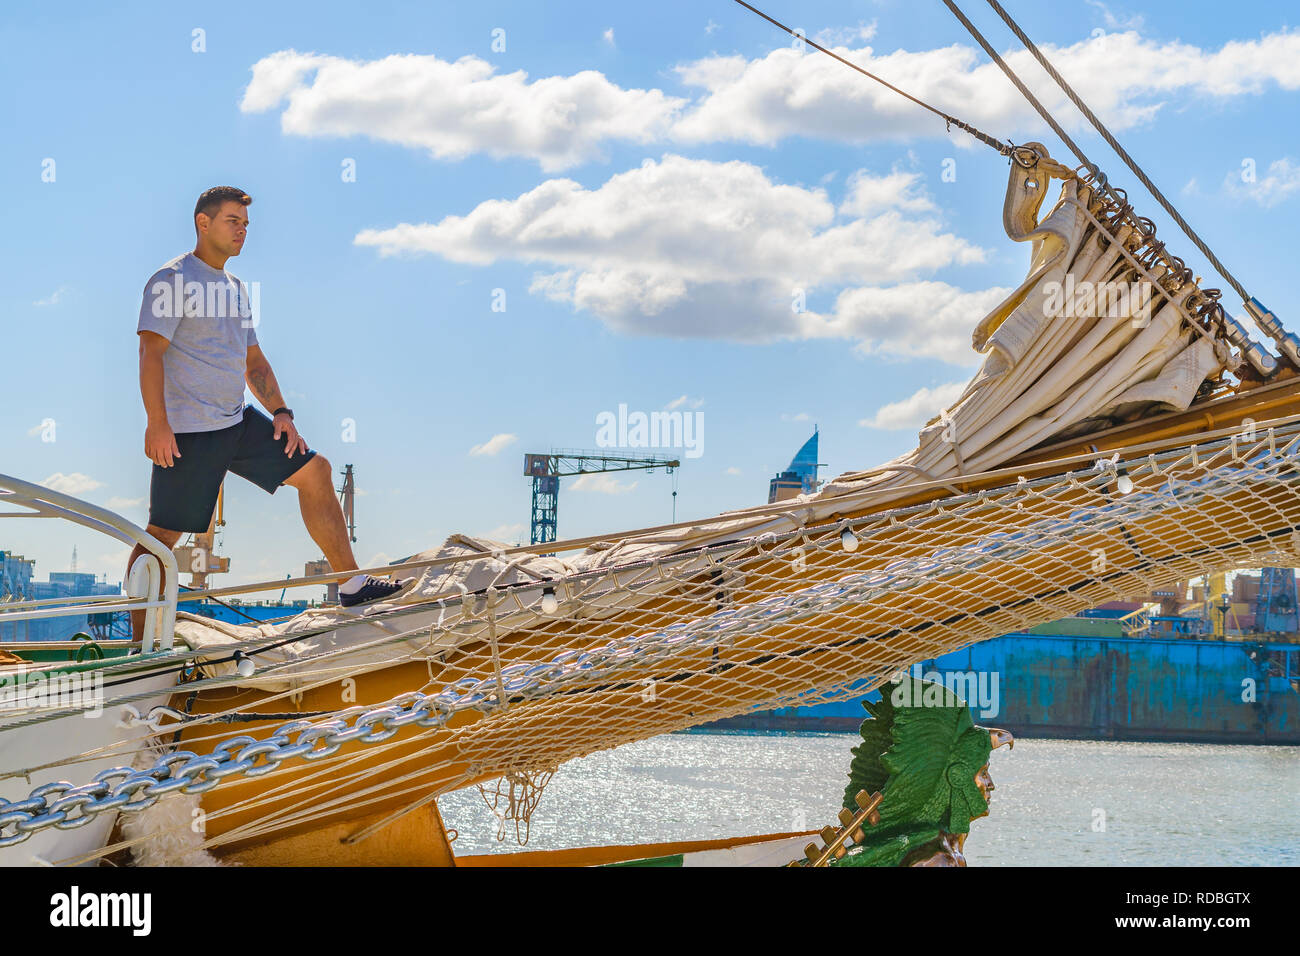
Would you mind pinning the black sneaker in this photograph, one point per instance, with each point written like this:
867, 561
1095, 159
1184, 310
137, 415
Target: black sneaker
373, 589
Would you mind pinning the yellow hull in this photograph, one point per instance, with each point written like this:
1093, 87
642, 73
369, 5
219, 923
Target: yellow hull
369, 788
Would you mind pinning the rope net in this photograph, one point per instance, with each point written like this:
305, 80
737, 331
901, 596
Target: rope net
822, 598
823, 614
513, 799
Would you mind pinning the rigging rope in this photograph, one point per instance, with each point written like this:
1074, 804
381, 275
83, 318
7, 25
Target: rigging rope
1004, 149
1033, 100
1175, 271
1105, 134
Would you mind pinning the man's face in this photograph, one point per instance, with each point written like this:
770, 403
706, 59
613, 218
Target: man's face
226, 230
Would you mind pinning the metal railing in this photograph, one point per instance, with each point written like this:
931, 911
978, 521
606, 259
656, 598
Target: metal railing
142, 586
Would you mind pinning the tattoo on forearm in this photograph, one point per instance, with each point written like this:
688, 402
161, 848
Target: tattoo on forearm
262, 382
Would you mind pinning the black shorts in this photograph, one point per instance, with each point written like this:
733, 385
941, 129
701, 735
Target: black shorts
183, 497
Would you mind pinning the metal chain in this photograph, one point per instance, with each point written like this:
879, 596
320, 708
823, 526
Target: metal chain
126, 790
63, 806
123, 789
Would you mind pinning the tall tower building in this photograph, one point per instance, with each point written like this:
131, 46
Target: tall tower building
800, 477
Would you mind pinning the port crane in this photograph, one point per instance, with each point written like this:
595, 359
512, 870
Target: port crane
348, 499
547, 469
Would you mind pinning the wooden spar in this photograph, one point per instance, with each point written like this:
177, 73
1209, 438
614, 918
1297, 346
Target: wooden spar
1277, 399
869, 641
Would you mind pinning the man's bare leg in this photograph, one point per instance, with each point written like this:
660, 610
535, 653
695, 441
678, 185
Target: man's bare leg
322, 514
168, 538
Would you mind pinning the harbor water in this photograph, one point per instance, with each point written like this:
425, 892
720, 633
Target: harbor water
1057, 802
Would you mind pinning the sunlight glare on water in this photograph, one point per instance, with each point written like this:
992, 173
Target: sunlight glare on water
1057, 802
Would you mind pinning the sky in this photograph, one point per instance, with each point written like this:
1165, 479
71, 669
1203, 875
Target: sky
478, 228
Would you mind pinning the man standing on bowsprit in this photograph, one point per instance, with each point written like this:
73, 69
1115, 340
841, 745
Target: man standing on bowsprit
197, 350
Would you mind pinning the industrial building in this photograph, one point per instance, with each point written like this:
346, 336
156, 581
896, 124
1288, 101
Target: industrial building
18, 583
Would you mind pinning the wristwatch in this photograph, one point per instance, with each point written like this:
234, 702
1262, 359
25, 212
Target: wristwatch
283, 411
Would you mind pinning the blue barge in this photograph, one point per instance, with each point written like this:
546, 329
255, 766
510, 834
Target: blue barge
1101, 688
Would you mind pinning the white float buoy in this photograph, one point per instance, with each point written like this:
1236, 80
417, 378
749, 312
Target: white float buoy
848, 540
550, 604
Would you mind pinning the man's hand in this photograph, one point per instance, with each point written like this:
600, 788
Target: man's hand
261, 382
284, 425
160, 444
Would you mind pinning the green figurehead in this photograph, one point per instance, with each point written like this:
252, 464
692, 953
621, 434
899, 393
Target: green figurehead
930, 761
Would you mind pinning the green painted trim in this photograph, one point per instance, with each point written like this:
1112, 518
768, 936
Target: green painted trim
125, 664
677, 859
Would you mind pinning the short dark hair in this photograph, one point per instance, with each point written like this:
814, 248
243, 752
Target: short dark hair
210, 202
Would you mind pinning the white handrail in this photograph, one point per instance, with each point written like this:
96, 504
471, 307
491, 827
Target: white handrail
142, 578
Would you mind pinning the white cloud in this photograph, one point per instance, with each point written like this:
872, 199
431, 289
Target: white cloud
1280, 183
1117, 21
54, 298
682, 400
870, 195
832, 37
118, 503
692, 248
494, 444
797, 417
915, 410
73, 484
1122, 76
609, 36
602, 484
454, 110
503, 532
733, 470
114, 559
914, 319
710, 27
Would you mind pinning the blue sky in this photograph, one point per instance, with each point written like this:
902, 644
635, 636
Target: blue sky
646, 183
